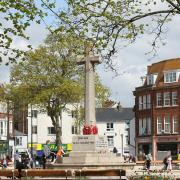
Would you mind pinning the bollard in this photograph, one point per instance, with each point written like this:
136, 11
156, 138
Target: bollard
12, 174
66, 171
26, 174
80, 174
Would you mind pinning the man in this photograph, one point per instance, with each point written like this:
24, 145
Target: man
46, 153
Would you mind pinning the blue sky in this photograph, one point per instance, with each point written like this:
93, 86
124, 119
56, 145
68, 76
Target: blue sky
131, 60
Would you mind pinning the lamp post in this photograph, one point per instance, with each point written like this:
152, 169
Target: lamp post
31, 133
8, 126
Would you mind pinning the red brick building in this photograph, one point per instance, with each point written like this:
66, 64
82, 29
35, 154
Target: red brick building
157, 110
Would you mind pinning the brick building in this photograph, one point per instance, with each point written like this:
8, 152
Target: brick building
157, 110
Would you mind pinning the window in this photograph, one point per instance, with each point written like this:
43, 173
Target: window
174, 98
148, 126
51, 130
151, 78
34, 113
148, 101
144, 102
159, 125
175, 124
159, 99
167, 124
10, 127
170, 77
110, 127
1, 130
74, 130
140, 102
167, 99
110, 141
126, 140
34, 129
144, 128
19, 141
140, 127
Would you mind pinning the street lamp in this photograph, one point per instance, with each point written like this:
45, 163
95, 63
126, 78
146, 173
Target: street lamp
31, 133
8, 127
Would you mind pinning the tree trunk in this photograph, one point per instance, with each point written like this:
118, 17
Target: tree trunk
58, 129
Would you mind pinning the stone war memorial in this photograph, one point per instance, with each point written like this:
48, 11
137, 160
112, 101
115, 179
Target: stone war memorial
90, 148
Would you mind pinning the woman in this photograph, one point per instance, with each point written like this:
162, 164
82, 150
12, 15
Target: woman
169, 163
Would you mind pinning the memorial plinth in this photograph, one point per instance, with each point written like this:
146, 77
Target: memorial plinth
91, 149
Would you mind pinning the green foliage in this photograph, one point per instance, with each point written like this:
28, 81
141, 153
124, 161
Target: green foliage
16, 16
113, 24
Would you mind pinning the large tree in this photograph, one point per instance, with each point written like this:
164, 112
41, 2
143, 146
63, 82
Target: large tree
108, 22
50, 77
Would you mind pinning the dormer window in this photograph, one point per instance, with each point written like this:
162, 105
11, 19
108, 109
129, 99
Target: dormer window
151, 79
171, 76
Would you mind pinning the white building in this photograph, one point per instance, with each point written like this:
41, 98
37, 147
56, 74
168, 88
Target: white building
111, 122
5, 117
40, 127
118, 125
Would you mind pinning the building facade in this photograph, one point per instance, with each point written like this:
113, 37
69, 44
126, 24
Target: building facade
111, 122
157, 110
6, 137
118, 125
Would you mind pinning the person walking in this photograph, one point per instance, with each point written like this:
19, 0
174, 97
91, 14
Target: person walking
148, 161
46, 154
169, 163
165, 163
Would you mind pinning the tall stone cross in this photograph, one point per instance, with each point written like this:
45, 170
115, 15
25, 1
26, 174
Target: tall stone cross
89, 60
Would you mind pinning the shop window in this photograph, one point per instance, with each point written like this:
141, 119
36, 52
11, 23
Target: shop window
110, 141
110, 126
167, 124
159, 125
167, 99
175, 124
159, 99
174, 98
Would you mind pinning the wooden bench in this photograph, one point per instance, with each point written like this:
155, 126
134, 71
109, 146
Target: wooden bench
120, 174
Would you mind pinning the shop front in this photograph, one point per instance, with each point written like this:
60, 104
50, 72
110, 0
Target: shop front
167, 145
165, 149
144, 147
38, 148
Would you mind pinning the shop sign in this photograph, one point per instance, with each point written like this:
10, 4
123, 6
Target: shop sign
144, 140
167, 140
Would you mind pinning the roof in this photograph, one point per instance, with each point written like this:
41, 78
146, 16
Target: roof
170, 64
112, 114
18, 133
